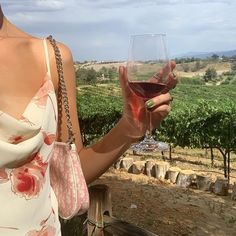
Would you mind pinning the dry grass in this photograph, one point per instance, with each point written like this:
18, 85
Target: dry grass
166, 209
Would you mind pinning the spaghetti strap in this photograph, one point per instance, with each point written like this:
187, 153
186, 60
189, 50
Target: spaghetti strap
46, 56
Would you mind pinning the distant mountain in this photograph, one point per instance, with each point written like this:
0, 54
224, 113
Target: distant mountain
203, 55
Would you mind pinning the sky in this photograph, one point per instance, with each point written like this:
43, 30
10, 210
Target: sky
101, 29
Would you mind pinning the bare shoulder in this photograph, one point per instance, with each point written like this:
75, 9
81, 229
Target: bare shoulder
67, 61
65, 53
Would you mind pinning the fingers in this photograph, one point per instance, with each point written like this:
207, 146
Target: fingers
161, 112
165, 71
172, 81
172, 65
158, 101
123, 77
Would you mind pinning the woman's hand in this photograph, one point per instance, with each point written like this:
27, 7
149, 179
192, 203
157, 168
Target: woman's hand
135, 108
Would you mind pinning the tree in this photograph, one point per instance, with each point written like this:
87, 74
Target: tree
215, 57
204, 124
86, 75
233, 66
112, 73
210, 74
197, 66
185, 67
91, 76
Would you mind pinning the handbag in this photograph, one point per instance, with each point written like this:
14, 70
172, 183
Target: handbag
66, 175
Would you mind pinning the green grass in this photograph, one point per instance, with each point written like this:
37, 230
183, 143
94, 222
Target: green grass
186, 93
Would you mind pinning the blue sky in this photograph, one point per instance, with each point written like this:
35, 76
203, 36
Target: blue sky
100, 29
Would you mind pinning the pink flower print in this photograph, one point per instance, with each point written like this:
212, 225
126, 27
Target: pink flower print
49, 86
45, 231
40, 98
48, 138
14, 139
40, 101
28, 180
3, 176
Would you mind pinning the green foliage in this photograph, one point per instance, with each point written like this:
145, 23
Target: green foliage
98, 112
210, 74
202, 124
215, 57
86, 76
208, 122
228, 80
185, 60
198, 65
191, 81
195, 108
185, 67
108, 73
233, 66
91, 76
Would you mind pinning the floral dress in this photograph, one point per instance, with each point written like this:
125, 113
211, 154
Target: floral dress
28, 206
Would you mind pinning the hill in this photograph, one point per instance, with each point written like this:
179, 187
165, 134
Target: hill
203, 55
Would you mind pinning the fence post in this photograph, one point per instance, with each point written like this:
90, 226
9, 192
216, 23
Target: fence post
100, 204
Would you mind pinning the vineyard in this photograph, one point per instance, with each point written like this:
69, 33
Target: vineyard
202, 116
201, 132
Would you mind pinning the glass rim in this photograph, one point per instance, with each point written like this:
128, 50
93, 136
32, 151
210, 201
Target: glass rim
148, 34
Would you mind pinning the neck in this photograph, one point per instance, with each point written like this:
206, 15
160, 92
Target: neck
1, 17
3, 24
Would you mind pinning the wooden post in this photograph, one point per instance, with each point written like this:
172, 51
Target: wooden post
100, 204
170, 152
203, 182
233, 194
149, 168
117, 164
172, 174
137, 167
185, 178
221, 187
160, 169
126, 163
100, 215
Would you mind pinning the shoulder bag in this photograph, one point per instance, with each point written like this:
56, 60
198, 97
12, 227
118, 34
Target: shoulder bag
66, 175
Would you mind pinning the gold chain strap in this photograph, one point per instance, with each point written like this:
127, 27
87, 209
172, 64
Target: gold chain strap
62, 93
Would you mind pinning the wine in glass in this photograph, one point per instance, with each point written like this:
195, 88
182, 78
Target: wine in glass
148, 68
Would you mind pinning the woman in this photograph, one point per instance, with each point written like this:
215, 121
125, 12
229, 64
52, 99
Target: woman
28, 88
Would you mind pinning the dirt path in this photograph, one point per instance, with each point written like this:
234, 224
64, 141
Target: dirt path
167, 210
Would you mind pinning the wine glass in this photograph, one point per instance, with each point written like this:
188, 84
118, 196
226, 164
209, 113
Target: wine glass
148, 68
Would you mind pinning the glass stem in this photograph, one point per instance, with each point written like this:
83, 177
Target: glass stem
148, 133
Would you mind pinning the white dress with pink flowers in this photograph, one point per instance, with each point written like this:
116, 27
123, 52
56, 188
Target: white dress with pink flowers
28, 206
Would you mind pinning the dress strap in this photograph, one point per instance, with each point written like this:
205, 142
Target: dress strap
46, 56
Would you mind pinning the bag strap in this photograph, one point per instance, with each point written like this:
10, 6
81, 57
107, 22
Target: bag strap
62, 93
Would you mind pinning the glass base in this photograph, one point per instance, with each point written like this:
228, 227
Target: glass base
148, 145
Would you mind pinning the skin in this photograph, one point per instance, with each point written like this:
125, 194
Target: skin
19, 82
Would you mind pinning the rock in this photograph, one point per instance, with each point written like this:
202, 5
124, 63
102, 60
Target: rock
160, 169
149, 168
172, 174
117, 164
126, 163
137, 167
221, 187
185, 178
203, 182
233, 194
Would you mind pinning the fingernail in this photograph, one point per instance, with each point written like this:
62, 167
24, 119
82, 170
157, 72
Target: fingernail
150, 103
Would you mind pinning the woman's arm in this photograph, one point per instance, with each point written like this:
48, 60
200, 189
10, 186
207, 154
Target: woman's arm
96, 159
